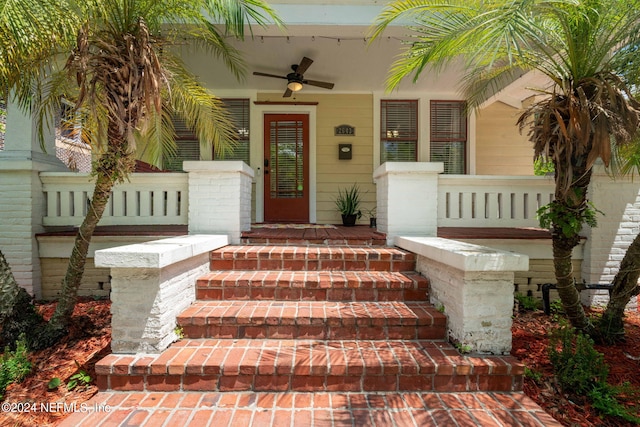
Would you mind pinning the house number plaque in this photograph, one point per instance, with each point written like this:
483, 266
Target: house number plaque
344, 130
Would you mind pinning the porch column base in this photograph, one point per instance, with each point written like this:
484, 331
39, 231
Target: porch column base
407, 198
219, 198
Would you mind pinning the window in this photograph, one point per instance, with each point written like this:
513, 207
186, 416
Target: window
70, 147
188, 146
398, 130
449, 135
239, 111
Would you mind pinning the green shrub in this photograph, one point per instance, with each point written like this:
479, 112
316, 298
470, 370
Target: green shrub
528, 302
605, 399
577, 364
557, 310
14, 365
581, 370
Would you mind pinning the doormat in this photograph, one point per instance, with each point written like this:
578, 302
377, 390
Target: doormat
294, 226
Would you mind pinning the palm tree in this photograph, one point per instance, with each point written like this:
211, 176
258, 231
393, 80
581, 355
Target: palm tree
126, 81
584, 48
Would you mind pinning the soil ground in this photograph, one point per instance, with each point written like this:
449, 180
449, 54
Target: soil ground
90, 338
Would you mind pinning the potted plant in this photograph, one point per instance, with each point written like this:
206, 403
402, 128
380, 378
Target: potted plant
373, 221
348, 203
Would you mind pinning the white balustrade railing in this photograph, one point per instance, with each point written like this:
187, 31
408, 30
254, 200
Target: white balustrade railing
492, 201
162, 199
147, 198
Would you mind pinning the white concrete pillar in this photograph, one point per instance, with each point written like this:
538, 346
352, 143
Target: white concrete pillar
152, 283
407, 198
219, 197
606, 244
474, 286
23, 204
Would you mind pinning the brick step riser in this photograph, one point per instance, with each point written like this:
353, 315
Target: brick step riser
319, 332
325, 242
206, 293
311, 383
311, 265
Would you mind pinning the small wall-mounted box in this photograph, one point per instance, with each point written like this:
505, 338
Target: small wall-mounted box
344, 151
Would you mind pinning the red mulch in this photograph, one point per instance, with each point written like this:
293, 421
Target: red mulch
88, 341
90, 338
530, 345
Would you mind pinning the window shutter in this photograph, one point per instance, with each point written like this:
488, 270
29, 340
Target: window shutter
399, 130
449, 135
239, 111
187, 146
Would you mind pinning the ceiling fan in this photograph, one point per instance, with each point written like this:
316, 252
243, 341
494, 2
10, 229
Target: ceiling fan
295, 79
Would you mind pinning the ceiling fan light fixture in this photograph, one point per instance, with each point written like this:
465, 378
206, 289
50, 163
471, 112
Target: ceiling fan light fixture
294, 85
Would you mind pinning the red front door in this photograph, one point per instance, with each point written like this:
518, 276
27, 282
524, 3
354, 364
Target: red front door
286, 171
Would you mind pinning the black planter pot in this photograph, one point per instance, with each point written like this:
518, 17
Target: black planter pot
373, 222
349, 220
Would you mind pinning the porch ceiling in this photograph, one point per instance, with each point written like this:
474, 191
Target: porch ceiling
341, 54
334, 33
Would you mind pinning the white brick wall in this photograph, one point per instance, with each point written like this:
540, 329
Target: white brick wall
21, 213
407, 201
474, 284
606, 244
219, 197
151, 283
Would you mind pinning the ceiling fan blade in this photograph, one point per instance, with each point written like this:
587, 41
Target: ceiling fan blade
287, 93
304, 65
325, 85
257, 73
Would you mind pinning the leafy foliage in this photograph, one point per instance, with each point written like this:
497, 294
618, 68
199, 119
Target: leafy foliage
528, 302
348, 201
23, 317
54, 383
14, 365
581, 370
125, 79
81, 378
542, 167
578, 366
534, 375
569, 221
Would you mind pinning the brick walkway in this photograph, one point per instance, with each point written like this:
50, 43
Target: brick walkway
195, 409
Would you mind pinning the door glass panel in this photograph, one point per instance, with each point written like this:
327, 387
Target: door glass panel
286, 153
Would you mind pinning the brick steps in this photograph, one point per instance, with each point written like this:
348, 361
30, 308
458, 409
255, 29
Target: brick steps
311, 319
312, 286
311, 258
315, 320
328, 235
309, 365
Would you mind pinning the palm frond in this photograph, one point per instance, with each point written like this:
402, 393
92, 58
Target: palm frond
201, 110
237, 14
156, 137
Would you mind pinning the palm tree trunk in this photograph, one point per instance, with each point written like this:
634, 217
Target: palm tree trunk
573, 201
115, 162
625, 287
9, 289
569, 295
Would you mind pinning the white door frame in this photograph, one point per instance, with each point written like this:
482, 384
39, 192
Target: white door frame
257, 150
